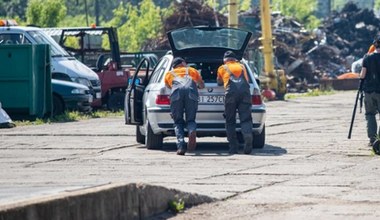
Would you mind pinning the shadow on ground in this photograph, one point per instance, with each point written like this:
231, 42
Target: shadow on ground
221, 148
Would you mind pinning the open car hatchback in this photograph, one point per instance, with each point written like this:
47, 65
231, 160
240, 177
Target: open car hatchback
147, 100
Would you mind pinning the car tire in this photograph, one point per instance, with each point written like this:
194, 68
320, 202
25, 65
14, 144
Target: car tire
153, 141
258, 141
58, 106
115, 101
140, 138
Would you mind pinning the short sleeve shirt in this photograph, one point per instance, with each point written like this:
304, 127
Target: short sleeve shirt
181, 71
372, 64
236, 69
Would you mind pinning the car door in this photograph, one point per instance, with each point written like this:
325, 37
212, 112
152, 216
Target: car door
133, 108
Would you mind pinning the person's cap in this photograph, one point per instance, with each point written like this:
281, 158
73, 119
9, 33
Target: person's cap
177, 61
229, 54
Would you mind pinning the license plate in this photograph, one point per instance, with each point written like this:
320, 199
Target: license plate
218, 99
98, 95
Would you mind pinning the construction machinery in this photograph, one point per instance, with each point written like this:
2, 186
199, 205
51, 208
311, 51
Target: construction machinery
275, 79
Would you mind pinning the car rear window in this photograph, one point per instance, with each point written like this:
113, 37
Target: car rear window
209, 71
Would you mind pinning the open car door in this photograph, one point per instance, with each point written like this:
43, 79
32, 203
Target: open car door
133, 103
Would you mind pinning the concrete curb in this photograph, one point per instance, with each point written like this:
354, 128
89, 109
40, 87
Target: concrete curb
112, 201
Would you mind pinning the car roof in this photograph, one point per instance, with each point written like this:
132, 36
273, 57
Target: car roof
20, 28
76, 30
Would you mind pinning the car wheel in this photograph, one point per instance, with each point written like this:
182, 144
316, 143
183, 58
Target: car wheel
58, 105
115, 101
140, 138
259, 139
153, 141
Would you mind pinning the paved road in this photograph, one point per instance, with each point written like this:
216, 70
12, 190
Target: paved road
308, 169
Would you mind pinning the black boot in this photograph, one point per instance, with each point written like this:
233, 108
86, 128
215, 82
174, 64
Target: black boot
247, 143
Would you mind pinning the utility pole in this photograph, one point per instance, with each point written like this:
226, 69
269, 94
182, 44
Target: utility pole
267, 38
86, 8
97, 13
233, 21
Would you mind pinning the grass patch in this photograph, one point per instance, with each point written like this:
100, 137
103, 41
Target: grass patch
310, 93
177, 206
70, 116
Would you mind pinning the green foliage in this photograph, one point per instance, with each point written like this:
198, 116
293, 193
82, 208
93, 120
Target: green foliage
302, 10
309, 93
13, 9
244, 5
312, 22
222, 7
177, 206
75, 21
377, 4
137, 24
45, 13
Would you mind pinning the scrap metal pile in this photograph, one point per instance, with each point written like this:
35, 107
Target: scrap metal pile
306, 56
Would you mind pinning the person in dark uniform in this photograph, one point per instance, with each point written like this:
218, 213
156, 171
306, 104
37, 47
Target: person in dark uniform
184, 82
370, 76
233, 75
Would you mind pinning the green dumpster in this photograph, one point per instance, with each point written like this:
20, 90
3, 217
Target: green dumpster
25, 80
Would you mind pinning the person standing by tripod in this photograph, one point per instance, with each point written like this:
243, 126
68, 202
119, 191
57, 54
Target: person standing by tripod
370, 77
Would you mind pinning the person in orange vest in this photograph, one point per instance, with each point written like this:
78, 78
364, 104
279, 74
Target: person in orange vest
233, 75
184, 82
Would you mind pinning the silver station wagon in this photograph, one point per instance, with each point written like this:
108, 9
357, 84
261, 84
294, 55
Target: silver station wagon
147, 100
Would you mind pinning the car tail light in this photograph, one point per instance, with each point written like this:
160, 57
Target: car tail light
163, 100
256, 97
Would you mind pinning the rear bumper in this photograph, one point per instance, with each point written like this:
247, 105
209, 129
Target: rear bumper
208, 123
208, 130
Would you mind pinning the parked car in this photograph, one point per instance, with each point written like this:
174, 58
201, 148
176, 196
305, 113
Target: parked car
70, 96
147, 100
63, 65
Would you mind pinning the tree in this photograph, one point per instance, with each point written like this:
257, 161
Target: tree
222, 6
75, 21
13, 9
137, 24
302, 10
377, 4
45, 13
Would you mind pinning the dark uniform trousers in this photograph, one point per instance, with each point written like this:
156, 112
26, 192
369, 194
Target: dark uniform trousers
238, 98
183, 100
